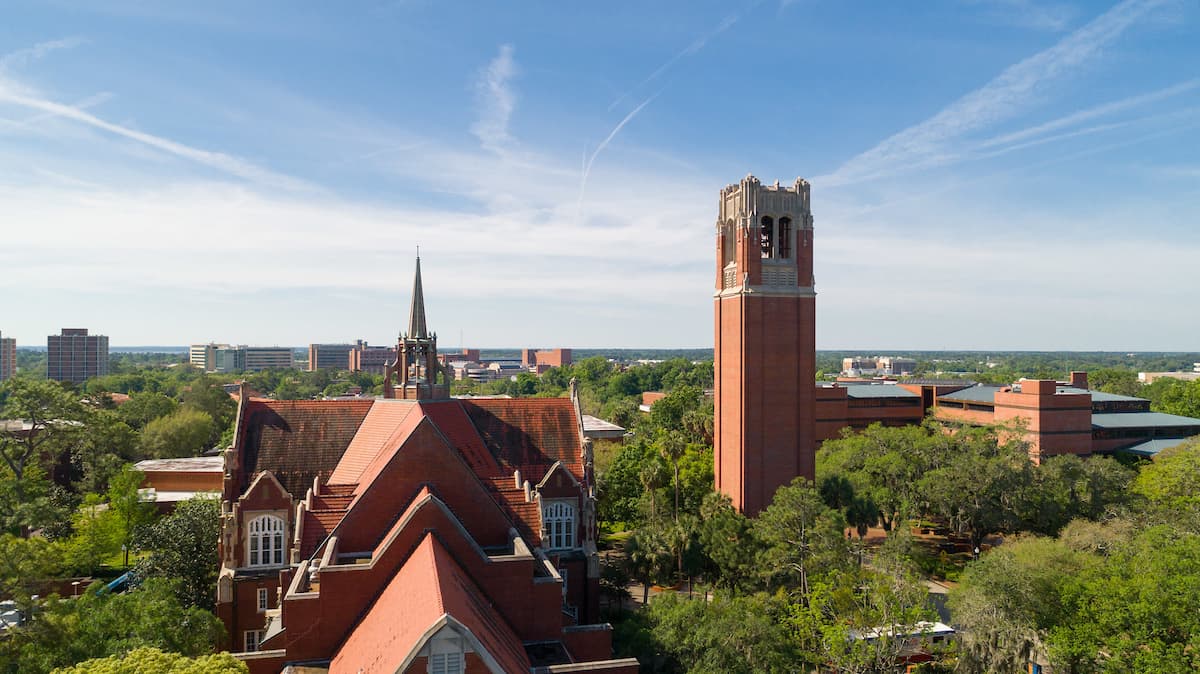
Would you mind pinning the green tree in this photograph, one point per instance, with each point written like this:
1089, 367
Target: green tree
802, 538
728, 635
185, 432
96, 537
1064, 488
1120, 381
207, 395
183, 546
1182, 399
979, 490
48, 412
153, 660
129, 511
727, 541
146, 406
1169, 484
99, 624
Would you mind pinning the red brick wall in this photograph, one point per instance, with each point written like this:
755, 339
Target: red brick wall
1055, 423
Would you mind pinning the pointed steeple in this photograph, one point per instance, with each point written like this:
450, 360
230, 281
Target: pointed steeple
416, 315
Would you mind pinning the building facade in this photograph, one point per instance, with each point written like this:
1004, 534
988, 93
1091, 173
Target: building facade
329, 356
415, 533
75, 356
765, 341
8, 357
372, 359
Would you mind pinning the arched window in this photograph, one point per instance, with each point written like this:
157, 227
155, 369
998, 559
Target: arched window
558, 521
766, 236
785, 238
265, 541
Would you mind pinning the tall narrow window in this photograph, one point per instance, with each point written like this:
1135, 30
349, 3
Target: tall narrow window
558, 521
251, 640
266, 541
785, 238
766, 236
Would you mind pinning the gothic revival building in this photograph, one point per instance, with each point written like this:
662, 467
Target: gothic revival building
416, 533
765, 344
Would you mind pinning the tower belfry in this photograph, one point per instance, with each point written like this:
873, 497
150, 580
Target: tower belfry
416, 368
765, 341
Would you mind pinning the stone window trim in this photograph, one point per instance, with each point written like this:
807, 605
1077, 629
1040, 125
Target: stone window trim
446, 653
264, 599
559, 524
266, 541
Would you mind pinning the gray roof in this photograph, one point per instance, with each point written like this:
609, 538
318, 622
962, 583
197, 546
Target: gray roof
1142, 420
1152, 447
197, 464
878, 391
1100, 396
984, 393
594, 427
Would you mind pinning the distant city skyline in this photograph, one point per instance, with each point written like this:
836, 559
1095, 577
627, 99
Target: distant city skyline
986, 174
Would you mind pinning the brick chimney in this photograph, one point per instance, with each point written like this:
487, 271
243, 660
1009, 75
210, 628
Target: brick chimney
1079, 380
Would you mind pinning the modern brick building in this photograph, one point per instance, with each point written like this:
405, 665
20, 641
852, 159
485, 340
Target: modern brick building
8, 357
329, 356
765, 341
372, 359
75, 356
540, 361
415, 533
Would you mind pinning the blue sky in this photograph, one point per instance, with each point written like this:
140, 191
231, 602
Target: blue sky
987, 174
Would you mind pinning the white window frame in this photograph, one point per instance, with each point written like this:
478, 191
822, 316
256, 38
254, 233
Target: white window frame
251, 640
264, 599
558, 523
265, 541
446, 653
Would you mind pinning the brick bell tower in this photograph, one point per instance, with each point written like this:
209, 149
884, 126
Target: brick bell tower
765, 348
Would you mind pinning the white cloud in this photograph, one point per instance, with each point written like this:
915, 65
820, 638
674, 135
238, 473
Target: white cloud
22, 57
937, 140
216, 160
497, 101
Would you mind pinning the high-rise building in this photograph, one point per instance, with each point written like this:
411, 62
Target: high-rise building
765, 348
75, 356
329, 356
8, 357
268, 358
226, 358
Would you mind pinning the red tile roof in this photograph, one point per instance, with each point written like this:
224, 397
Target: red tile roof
452, 420
428, 586
378, 428
297, 440
523, 431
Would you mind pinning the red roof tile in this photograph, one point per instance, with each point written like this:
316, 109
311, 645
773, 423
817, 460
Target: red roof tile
297, 440
523, 431
372, 437
428, 586
452, 420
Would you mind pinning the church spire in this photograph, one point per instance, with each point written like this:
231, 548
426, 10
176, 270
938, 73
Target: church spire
416, 315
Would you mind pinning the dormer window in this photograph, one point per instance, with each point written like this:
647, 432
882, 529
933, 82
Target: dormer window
558, 523
264, 543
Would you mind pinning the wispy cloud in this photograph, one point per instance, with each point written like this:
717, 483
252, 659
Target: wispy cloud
1091, 113
1029, 14
21, 57
695, 46
216, 160
587, 165
497, 100
934, 141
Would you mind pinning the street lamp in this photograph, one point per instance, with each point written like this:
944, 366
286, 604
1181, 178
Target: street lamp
75, 588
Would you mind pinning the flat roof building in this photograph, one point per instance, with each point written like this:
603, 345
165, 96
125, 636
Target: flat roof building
75, 356
8, 357
329, 356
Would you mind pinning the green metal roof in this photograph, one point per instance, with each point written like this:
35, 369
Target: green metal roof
1100, 396
1142, 420
974, 394
1151, 447
878, 391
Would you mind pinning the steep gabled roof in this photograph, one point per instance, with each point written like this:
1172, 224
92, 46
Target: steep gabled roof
297, 440
377, 431
429, 592
524, 431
